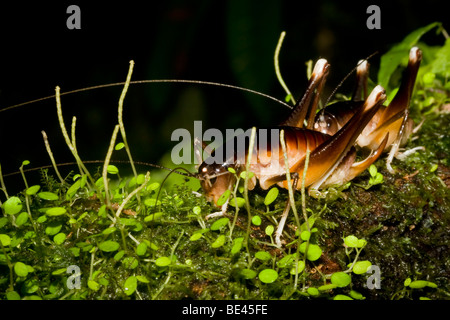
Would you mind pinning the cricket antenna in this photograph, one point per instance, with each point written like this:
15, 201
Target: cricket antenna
348, 75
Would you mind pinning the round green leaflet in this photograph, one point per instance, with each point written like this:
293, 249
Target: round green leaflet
361, 267
268, 275
340, 279
271, 196
59, 238
220, 241
351, 241
256, 220
12, 206
141, 249
130, 285
218, 224
93, 285
33, 189
109, 246
263, 255
12, 295
119, 146
269, 230
300, 268
22, 218
21, 269
5, 239
46, 195
56, 211
224, 197
314, 251
342, 297
248, 273
163, 261
112, 169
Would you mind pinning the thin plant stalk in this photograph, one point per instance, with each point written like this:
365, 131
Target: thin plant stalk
247, 174
69, 142
120, 116
2, 183
106, 164
50, 153
277, 66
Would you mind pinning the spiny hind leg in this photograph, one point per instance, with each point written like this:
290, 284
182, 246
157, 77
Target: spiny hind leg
405, 128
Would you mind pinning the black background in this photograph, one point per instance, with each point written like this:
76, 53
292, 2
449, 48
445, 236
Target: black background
224, 41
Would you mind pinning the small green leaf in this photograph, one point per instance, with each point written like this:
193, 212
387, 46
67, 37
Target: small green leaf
197, 210
12, 206
33, 190
141, 249
119, 146
356, 295
112, 169
224, 197
93, 285
119, 255
263, 255
22, 218
53, 228
231, 170
327, 287
150, 202
286, 261
109, 246
55, 211
21, 269
47, 195
361, 267
340, 279
196, 236
407, 282
59, 271
419, 284
163, 261
300, 267
351, 241
256, 220
237, 245
373, 170
313, 291
59, 238
5, 239
142, 279
220, 241
130, 285
218, 224
314, 251
342, 297
12, 295
271, 196
243, 174
269, 230
109, 230
305, 235
153, 186
239, 200
248, 274
268, 275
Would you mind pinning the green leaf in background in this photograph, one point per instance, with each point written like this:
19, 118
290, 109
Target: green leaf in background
441, 63
12, 206
399, 53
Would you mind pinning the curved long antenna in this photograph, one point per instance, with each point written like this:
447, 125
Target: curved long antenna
210, 83
186, 174
345, 78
